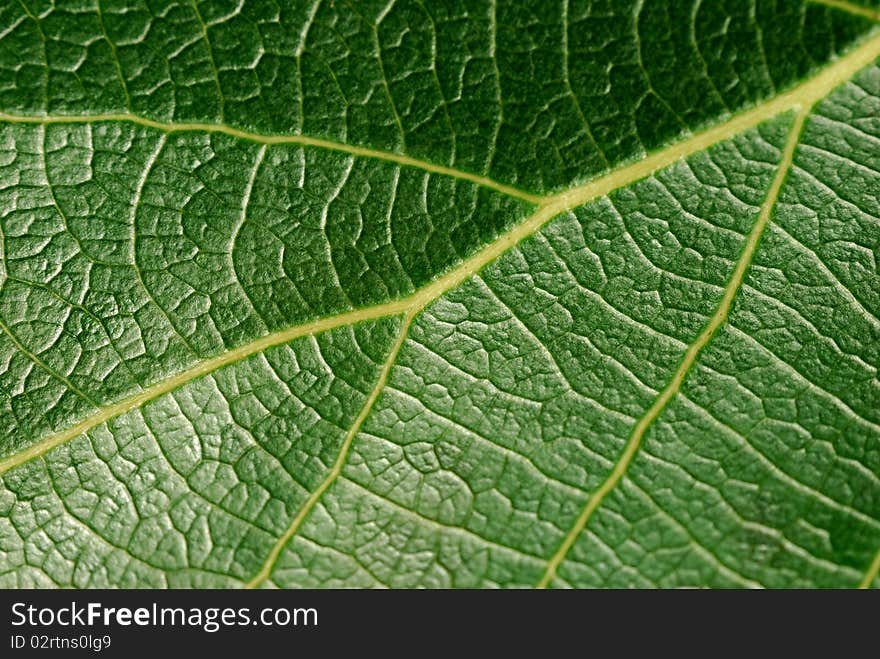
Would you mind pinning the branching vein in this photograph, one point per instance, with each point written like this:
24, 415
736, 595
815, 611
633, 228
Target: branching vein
690, 356
341, 457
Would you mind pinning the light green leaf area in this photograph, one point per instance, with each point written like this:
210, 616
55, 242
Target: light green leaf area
455, 294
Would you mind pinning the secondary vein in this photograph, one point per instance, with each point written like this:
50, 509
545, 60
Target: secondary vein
871, 572
850, 8
802, 95
336, 470
690, 357
302, 140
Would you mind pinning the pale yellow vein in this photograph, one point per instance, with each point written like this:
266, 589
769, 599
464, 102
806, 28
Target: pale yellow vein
871, 572
301, 140
690, 357
202, 368
850, 8
336, 470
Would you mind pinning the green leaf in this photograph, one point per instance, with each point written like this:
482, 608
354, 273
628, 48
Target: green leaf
448, 294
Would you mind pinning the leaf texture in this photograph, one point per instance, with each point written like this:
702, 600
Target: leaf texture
574, 294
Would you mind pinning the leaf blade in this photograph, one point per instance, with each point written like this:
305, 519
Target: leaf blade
471, 486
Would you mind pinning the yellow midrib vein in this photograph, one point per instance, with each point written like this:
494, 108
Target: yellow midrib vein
801, 97
202, 368
804, 95
690, 356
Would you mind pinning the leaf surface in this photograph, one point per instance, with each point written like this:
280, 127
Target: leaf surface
467, 295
